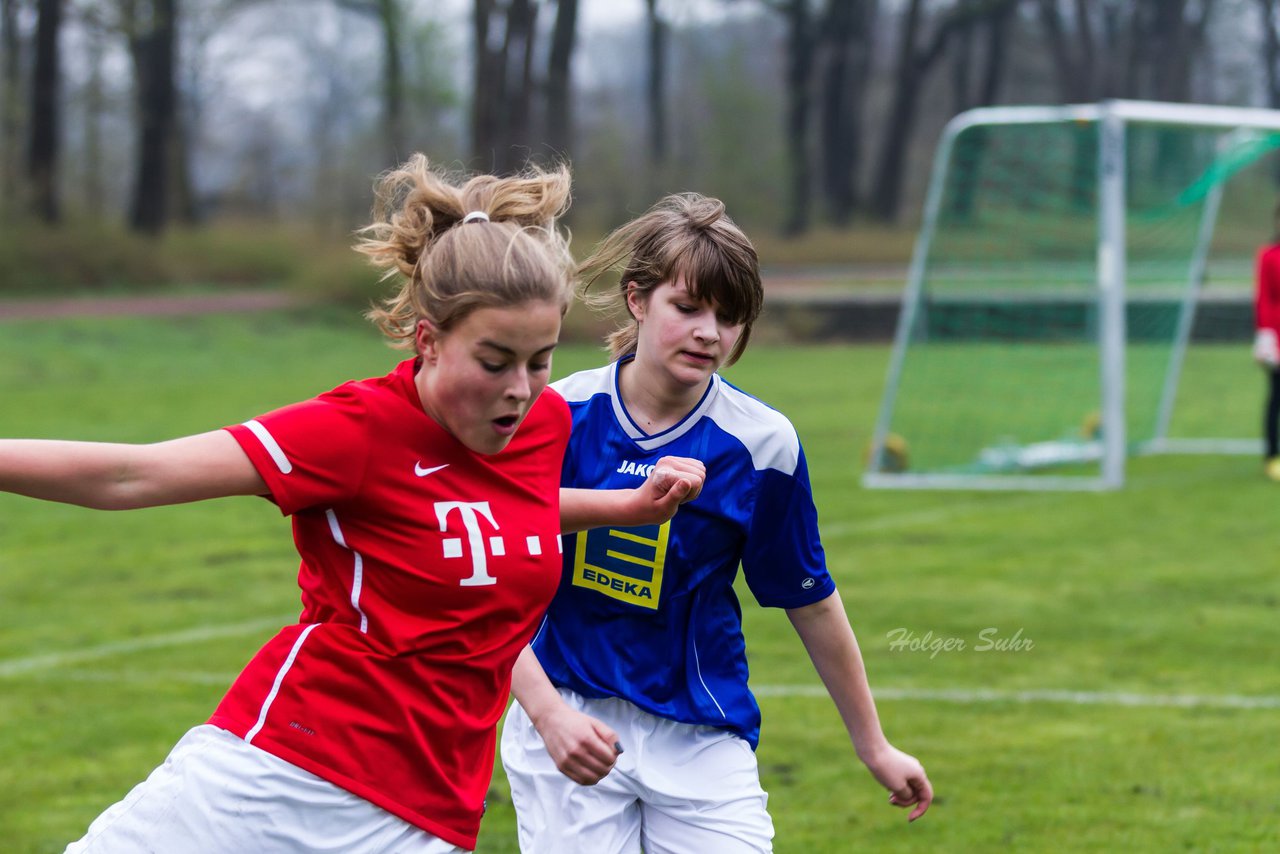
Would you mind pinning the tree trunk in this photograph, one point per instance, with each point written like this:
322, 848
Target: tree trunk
503, 101
1074, 74
392, 83
799, 72
11, 108
656, 90
154, 62
95, 109
185, 206
485, 103
390, 17
42, 154
1270, 51
559, 130
846, 56
913, 68
887, 188
521, 23
972, 145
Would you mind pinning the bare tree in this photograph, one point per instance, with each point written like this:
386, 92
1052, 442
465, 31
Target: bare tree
503, 33
1126, 48
1271, 51
916, 58
980, 92
510, 122
42, 151
95, 108
518, 85
11, 107
559, 129
152, 32
845, 42
390, 17
658, 35
799, 108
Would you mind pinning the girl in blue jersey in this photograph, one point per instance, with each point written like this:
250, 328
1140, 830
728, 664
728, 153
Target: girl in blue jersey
635, 726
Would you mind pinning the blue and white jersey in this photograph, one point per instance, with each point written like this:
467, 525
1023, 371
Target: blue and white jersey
649, 614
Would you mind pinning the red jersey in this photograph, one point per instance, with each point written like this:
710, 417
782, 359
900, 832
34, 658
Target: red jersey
1267, 295
425, 568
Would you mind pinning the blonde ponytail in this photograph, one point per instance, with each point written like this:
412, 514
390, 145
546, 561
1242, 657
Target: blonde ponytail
509, 253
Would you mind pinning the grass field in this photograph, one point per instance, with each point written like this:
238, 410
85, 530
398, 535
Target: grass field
1133, 707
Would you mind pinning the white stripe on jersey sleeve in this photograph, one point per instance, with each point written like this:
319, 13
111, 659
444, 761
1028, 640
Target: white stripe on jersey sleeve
585, 384
269, 442
765, 432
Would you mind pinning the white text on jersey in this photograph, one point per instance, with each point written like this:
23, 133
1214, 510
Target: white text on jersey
639, 469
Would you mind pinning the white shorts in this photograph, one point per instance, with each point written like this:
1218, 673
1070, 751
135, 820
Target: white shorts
676, 789
215, 794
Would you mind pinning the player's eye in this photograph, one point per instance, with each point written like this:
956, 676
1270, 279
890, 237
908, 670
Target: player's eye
540, 367
685, 308
492, 367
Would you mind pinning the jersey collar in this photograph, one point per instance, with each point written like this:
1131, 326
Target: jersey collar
644, 440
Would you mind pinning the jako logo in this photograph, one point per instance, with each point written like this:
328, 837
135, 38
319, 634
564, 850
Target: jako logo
639, 469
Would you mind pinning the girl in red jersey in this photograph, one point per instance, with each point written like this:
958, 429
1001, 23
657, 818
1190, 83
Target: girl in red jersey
1266, 345
426, 510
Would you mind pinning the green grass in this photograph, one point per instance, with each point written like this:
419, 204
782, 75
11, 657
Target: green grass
1168, 587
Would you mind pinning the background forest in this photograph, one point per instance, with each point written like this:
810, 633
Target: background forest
254, 128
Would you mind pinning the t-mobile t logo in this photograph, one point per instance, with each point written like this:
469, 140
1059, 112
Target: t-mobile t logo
471, 513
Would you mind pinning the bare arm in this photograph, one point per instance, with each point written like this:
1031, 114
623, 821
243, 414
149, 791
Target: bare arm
583, 748
108, 476
824, 629
673, 481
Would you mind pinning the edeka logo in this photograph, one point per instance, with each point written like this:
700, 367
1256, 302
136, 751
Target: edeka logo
625, 564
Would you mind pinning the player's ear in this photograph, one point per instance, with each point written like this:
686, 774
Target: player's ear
426, 340
636, 300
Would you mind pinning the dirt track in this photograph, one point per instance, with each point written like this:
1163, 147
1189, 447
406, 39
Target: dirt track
154, 305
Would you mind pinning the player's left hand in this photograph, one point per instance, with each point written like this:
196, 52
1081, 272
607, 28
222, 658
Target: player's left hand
673, 481
904, 777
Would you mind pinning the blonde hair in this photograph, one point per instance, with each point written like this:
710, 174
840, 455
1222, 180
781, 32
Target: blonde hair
450, 267
684, 235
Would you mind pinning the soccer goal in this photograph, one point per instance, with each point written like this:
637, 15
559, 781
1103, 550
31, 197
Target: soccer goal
1080, 293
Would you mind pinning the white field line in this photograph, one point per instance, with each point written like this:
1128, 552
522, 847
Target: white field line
42, 664
137, 677
966, 696
36, 663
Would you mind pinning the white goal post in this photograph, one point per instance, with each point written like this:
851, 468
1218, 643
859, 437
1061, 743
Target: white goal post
1053, 293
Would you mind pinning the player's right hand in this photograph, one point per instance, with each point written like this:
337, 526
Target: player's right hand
673, 481
905, 778
583, 748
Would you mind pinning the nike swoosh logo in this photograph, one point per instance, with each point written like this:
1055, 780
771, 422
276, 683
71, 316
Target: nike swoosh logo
421, 472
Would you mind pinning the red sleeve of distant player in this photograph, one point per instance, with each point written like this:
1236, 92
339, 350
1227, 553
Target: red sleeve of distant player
1267, 298
309, 453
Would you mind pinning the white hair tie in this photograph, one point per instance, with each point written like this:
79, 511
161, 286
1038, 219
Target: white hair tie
475, 216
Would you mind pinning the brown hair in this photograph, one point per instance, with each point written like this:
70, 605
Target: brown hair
449, 268
684, 235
